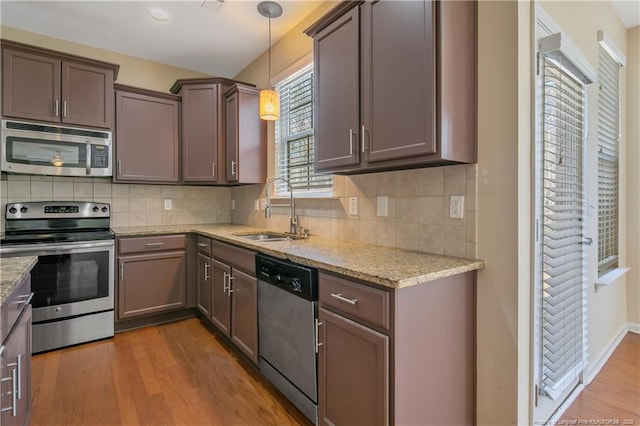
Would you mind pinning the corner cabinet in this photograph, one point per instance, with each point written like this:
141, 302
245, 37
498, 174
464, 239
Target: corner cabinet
219, 137
44, 85
395, 85
151, 275
147, 143
245, 140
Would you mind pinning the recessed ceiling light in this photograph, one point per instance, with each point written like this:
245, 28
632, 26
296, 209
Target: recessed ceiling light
158, 14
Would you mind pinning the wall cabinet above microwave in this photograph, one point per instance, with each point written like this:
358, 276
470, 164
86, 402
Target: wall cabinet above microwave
44, 85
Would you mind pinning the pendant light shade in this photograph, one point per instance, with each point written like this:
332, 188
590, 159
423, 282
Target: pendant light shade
269, 98
269, 105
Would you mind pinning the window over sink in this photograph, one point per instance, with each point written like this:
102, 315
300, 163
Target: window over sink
294, 138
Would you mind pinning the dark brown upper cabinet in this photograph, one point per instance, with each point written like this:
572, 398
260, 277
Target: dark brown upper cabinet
147, 143
44, 85
245, 136
202, 129
395, 85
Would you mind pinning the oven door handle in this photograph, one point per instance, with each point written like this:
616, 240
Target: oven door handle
53, 248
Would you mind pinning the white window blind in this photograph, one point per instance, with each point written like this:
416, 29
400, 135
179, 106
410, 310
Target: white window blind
563, 292
608, 139
294, 138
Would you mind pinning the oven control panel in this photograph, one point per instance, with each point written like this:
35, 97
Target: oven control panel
56, 209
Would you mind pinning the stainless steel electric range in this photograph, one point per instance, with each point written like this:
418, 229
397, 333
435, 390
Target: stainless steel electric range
73, 280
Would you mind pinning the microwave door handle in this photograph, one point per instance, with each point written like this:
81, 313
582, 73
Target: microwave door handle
88, 158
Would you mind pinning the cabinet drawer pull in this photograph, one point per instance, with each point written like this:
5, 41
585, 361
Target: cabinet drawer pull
203, 245
340, 297
154, 244
233, 168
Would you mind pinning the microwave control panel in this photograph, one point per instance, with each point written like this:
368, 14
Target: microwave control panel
99, 156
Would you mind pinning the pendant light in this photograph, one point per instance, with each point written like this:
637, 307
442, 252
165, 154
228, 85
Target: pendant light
269, 98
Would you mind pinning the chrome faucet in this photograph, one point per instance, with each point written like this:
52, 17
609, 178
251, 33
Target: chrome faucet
294, 223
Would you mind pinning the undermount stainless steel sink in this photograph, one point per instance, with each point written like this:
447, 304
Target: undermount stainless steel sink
265, 236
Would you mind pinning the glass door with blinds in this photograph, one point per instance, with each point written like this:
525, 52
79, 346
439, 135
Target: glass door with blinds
560, 293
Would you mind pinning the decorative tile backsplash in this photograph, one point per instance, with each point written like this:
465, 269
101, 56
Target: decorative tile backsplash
418, 206
131, 204
418, 210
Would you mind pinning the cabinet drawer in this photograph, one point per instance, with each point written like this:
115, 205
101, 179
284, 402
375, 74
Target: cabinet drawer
235, 256
14, 304
152, 244
360, 301
203, 245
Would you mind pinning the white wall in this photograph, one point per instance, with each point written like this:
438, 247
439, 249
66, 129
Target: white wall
633, 177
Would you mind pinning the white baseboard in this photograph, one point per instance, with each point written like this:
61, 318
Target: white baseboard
634, 327
592, 371
554, 420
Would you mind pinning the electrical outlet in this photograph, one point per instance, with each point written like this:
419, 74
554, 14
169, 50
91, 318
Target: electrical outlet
353, 206
263, 203
256, 204
456, 207
383, 205
233, 204
168, 204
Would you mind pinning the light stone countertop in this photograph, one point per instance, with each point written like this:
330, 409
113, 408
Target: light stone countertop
390, 267
12, 271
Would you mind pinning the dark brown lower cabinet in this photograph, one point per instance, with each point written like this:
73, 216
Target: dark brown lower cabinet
204, 285
244, 313
353, 373
234, 296
16, 373
151, 283
220, 300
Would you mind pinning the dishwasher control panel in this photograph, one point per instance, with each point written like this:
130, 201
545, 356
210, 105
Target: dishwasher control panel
297, 279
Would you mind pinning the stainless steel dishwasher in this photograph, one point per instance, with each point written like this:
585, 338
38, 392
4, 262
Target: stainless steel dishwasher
287, 321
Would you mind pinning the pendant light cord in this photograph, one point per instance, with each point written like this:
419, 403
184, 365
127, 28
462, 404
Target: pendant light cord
269, 82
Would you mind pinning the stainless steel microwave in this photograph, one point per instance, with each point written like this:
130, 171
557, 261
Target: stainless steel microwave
47, 149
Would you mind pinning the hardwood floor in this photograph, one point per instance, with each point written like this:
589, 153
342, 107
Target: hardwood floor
173, 374
614, 395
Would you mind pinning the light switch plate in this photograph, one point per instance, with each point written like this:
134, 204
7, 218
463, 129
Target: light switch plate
353, 206
233, 204
168, 204
383, 205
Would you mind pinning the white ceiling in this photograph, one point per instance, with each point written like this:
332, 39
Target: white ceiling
219, 38
628, 11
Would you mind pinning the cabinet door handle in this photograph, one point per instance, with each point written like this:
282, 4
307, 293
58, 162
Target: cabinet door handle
350, 141
318, 343
150, 245
224, 283
64, 109
1, 350
119, 168
213, 169
363, 132
233, 168
121, 271
19, 368
206, 272
88, 158
229, 290
344, 299
56, 108
14, 392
